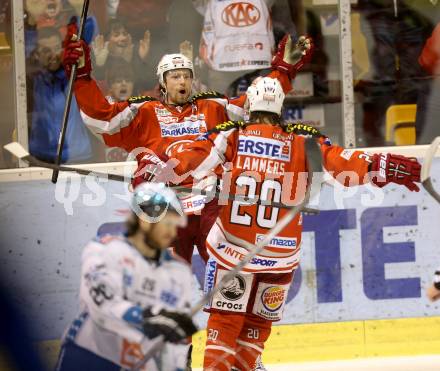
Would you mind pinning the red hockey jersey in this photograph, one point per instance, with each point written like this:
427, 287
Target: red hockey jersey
268, 162
147, 123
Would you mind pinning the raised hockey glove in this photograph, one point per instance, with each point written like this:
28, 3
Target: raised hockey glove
389, 168
76, 52
290, 58
174, 326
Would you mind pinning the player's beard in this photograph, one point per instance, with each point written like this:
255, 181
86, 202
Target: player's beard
180, 98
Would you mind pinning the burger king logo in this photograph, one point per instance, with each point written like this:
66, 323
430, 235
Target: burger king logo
273, 298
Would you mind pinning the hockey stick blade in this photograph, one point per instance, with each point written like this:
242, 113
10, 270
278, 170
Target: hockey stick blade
17, 150
425, 175
314, 164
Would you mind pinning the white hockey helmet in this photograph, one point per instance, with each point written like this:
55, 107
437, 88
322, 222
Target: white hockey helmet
151, 201
171, 62
265, 94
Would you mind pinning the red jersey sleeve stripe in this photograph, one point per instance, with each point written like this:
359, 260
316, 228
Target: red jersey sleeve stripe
115, 124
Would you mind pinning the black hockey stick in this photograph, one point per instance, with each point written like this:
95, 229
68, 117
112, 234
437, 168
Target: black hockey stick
425, 175
69, 96
17, 150
314, 160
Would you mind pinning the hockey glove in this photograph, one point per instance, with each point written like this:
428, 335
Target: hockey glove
389, 168
153, 168
76, 52
291, 58
174, 326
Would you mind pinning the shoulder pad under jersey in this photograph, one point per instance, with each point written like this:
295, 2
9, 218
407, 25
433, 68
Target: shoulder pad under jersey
206, 95
303, 129
141, 99
227, 125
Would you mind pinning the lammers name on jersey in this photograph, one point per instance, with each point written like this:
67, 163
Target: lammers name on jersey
267, 155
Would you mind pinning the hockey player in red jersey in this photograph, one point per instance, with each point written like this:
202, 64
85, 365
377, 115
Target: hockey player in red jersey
268, 161
161, 126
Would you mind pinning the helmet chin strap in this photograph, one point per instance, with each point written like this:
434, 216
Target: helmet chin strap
164, 93
165, 97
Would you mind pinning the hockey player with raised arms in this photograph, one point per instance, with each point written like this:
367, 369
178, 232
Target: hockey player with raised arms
268, 161
132, 290
166, 124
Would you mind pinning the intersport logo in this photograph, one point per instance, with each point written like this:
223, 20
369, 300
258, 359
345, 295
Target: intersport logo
240, 15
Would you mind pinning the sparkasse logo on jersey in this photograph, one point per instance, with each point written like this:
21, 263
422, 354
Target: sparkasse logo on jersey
264, 147
180, 129
240, 14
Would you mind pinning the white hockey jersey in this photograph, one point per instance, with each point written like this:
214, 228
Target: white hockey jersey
117, 283
237, 36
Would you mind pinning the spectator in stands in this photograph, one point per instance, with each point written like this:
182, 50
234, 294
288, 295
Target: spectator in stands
398, 32
51, 15
117, 46
112, 8
428, 105
152, 15
33, 11
139, 15
185, 48
290, 17
430, 57
73, 8
120, 81
237, 38
46, 99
